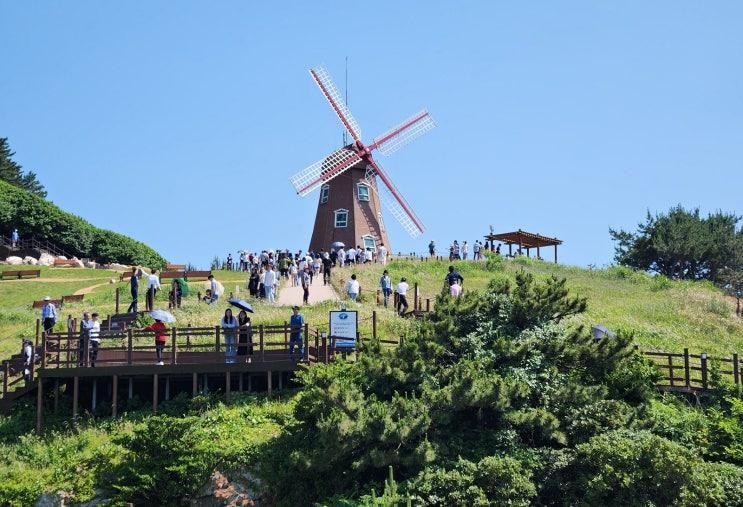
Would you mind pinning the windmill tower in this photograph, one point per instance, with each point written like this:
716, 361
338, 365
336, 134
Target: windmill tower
349, 205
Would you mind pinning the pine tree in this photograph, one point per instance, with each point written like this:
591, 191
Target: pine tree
12, 172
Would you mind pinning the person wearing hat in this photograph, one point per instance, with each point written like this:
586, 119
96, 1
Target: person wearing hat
296, 323
14, 238
48, 314
402, 296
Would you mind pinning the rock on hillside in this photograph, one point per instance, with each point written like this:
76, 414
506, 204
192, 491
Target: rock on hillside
46, 260
14, 261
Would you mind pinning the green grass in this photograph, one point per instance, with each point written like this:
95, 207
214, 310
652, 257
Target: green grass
663, 314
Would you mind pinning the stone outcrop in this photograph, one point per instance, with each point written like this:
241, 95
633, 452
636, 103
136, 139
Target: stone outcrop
30, 261
46, 260
14, 261
238, 490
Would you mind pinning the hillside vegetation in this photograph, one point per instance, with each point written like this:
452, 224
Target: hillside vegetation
35, 217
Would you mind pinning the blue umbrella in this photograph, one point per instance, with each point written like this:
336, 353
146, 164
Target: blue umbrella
162, 316
241, 304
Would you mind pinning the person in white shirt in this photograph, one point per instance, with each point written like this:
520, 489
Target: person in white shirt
153, 284
351, 256
341, 257
476, 250
369, 256
270, 282
465, 250
214, 288
95, 339
353, 288
382, 254
402, 296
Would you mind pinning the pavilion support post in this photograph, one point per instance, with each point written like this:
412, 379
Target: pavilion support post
250, 382
227, 386
240, 381
538, 255
194, 384
75, 395
118, 297
167, 388
114, 395
269, 379
281, 380
528, 251
131, 388
510, 250
39, 405
555, 254
154, 393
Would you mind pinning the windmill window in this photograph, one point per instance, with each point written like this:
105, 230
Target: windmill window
324, 193
363, 191
369, 242
341, 218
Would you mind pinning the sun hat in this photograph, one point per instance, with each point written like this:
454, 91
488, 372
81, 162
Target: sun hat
47, 298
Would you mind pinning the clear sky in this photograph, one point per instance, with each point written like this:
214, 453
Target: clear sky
179, 123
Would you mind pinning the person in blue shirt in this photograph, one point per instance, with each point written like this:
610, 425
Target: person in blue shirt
453, 277
385, 283
14, 238
48, 314
296, 324
134, 284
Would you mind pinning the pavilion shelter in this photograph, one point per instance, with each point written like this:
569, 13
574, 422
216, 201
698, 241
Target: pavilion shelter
525, 240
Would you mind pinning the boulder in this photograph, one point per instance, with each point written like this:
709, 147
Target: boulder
118, 267
46, 260
90, 264
58, 499
220, 490
30, 261
14, 261
62, 257
78, 263
113, 280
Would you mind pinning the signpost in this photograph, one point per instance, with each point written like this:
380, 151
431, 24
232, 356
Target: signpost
344, 327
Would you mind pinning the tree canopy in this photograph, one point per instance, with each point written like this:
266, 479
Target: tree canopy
12, 172
681, 244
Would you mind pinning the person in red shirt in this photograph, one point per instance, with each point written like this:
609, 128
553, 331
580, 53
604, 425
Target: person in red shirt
161, 337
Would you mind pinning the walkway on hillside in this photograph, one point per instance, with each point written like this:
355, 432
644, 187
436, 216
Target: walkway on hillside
291, 296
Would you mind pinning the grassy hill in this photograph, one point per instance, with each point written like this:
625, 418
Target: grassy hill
663, 314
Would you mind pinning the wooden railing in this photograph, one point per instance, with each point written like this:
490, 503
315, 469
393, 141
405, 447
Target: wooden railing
692, 371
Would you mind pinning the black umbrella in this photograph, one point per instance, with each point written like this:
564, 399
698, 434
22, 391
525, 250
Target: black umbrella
337, 245
241, 304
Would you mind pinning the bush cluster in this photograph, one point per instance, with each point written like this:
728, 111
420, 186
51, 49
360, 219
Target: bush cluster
36, 217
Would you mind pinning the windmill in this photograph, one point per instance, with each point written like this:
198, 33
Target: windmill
349, 206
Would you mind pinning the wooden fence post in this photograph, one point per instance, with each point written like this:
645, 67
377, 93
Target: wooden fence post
40, 404
6, 374
174, 341
118, 297
378, 300
129, 345
38, 333
305, 342
703, 359
286, 335
43, 350
216, 337
687, 372
374, 325
736, 376
670, 369
325, 347
262, 344
428, 305
114, 395
415, 297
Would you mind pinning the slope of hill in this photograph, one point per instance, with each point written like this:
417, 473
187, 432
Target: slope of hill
36, 217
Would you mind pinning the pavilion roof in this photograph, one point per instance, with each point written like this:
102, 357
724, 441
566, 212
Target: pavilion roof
525, 239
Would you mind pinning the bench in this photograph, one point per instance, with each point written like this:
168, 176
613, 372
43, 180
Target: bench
65, 262
36, 273
125, 276
172, 274
74, 298
40, 304
190, 275
175, 267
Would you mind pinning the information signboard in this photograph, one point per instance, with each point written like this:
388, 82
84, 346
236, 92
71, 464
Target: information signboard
344, 327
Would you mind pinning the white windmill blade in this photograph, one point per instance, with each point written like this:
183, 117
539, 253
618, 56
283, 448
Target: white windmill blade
396, 203
327, 87
324, 170
404, 133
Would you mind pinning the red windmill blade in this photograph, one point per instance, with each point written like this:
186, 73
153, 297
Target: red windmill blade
359, 155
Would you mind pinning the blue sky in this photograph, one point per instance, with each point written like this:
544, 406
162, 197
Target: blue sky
179, 123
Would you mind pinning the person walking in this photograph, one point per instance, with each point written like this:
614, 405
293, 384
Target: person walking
229, 328
341, 257
385, 283
27, 352
327, 266
14, 239
455, 251
153, 284
353, 288
94, 335
85, 326
270, 283
296, 325
48, 315
476, 250
176, 293
382, 254
134, 288
214, 288
402, 296
306, 280
294, 274
351, 256
432, 248
453, 277
253, 282
245, 339
161, 337
455, 289
465, 250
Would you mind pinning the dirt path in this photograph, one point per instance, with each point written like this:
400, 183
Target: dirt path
50, 280
88, 290
290, 296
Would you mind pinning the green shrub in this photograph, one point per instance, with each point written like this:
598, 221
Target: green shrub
493, 262
36, 217
660, 282
634, 380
